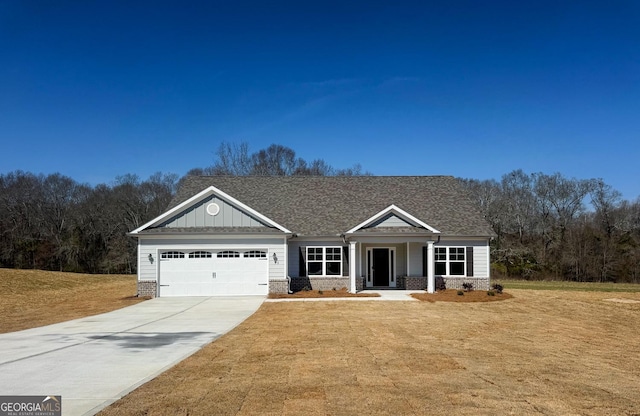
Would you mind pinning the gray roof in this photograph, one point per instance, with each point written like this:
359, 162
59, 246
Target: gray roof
332, 205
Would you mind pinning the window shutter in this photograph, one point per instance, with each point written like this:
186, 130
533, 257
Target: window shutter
302, 266
469, 261
425, 266
345, 261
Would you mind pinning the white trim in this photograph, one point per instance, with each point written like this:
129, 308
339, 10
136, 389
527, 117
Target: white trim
431, 280
393, 264
408, 262
393, 209
324, 261
352, 266
212, 190
448, 261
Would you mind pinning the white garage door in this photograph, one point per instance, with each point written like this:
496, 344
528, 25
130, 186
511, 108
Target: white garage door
213, 273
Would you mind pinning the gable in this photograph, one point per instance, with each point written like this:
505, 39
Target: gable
392, 218
208, 210
212, 212
390, 221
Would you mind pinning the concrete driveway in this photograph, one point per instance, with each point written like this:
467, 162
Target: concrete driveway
96, 360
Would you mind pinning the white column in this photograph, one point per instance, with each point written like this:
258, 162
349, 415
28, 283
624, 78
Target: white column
431, 281
352, 266
408, 262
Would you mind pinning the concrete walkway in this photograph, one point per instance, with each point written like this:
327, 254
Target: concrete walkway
96, 360
390, 294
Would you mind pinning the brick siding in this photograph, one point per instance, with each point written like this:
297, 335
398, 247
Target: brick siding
479, 283
147, 288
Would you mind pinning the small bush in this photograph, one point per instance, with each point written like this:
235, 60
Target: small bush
497, 287
491, 293
468, 287
334, 289
440, 284
460, 293
306, 289
320, 292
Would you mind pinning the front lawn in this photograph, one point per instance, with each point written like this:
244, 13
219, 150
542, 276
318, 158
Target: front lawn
541, 352
564, 285
31, 298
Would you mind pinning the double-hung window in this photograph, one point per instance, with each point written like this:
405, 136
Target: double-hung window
450, 261
324, 261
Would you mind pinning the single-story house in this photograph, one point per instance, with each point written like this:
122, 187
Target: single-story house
225, 235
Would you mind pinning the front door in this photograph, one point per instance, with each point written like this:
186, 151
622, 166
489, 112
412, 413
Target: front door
381, 267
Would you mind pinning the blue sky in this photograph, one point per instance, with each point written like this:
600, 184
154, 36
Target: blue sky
96, 89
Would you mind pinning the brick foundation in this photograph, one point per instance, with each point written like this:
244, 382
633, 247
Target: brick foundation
279, 286
147, 288
479, 283
415, 283
320, 283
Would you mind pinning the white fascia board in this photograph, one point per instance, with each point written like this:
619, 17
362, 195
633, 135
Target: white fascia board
400, 212
212, 190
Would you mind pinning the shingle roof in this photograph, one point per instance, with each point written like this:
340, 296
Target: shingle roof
331, 205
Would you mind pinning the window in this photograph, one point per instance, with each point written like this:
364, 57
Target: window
172, 255
228, 254
255, 253
450, 261
200, 255
324, 261
456, 261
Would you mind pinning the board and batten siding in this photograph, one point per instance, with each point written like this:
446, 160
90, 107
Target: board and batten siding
148, 271
197, 216
390, 221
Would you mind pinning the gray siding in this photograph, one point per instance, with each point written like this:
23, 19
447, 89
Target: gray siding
197, 216
149, 271
390, 221
294, 253
480, 254
415, 259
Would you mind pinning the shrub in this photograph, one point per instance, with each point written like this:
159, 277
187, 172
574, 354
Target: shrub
497, 287
440, 284
460, 293
306, 289
468, 287
491, 293
320, 292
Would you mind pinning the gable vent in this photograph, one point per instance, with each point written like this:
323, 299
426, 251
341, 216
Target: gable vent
213, 209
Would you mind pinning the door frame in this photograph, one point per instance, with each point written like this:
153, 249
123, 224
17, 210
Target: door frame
392, 266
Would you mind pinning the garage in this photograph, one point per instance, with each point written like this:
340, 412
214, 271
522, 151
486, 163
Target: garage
209, 272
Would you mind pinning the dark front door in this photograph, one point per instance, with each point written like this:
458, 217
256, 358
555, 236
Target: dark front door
381, 267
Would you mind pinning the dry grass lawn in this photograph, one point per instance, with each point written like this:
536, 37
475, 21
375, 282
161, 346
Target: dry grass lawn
541, 352
31, 298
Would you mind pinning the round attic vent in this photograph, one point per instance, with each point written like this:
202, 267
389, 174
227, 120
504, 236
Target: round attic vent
213, 209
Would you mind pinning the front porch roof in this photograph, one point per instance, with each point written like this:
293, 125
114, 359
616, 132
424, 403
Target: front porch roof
412, 222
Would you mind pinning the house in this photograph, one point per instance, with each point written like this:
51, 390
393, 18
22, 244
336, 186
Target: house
226, 235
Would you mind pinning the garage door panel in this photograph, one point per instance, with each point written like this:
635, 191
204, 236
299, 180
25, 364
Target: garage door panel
214, 276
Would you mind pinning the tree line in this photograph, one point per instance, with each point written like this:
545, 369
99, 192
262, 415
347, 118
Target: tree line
551, 226
53, 222
547, 226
